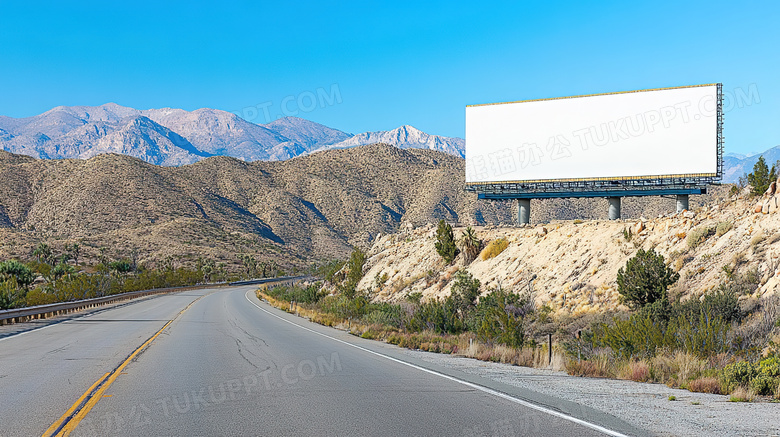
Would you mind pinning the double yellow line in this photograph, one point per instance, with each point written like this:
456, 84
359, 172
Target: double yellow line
76, 413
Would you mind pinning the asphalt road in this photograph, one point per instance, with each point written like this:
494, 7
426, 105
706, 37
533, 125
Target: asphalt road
229, 364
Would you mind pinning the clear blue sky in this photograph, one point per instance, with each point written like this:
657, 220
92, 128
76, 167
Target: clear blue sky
377, 66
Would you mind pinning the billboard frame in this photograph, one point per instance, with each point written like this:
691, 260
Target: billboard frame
615, 186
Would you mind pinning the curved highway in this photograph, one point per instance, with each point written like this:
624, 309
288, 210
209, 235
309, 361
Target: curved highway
221, 362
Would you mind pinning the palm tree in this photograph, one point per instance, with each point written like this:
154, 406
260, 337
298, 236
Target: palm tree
470, 244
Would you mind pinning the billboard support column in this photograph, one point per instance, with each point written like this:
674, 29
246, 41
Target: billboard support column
682, 202
614, 208
524, 211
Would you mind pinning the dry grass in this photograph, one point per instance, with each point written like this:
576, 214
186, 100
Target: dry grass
707, 384
526, 356
741, 394
494, 248
723, 227
638, 371
599, 366
676, 369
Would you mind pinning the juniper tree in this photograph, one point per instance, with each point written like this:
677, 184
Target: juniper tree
645, 279
445, 242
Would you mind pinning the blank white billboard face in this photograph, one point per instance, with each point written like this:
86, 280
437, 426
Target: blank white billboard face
667, 132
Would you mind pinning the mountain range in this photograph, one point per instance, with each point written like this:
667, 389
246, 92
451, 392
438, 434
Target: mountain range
735, 165
174, 137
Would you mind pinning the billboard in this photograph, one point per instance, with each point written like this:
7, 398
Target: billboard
649, 134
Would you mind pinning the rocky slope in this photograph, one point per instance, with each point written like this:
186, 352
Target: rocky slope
572, 265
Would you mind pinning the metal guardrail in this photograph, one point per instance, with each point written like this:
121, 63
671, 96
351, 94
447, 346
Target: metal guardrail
280, 280
19, 315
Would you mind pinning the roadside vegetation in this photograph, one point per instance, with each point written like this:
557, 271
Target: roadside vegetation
52, 275
723, 341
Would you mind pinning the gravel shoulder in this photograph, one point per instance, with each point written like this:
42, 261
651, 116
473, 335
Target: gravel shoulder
646, 406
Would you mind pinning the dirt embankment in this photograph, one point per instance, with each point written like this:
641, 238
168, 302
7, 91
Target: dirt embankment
572, 265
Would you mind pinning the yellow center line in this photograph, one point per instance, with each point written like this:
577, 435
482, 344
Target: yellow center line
76, 413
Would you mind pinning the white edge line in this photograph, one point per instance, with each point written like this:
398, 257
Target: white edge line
451, 378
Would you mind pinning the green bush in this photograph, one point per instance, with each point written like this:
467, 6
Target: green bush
764, 385
465, 291
354, 273
737, 374
438, 316
644, 279
346, 308
309, 294
770, 366
722, 303
640, 336
386, 314
498, 318
659, 312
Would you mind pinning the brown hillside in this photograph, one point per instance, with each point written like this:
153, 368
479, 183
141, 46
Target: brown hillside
314, 206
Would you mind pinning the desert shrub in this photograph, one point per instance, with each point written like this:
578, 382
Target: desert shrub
698, 235
750, 337
308, 294
498, 318
737, 374
465, 291
659, 311
723, 227
644, 279
494, 248
386, 314
378, 317
445, 242
640, 336
770, 366
764, 384
722, 303
353, 274
346, 308
329, 270
121, 266
36, 296
414, 297
707, 384
437, 316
